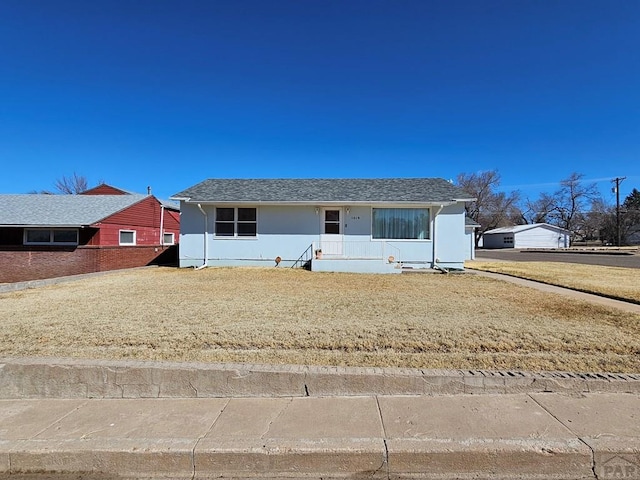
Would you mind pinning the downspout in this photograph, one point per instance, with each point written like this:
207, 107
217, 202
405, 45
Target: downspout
162, 225
204, 264
435, 258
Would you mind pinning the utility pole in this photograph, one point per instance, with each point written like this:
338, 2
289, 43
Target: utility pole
618, 181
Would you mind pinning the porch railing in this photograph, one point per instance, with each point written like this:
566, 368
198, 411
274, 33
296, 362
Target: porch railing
359, 250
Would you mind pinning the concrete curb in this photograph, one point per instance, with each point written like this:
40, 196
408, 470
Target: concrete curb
22, 378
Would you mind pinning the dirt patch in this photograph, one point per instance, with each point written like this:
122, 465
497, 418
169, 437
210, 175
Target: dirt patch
294, 316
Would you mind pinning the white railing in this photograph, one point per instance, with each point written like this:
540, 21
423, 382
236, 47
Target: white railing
359, 250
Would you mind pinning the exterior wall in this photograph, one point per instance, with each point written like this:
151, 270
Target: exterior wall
541, 237
450, 245
35, 263
470, 251
282, 231
144, 218
535, 237
287, 231
104, 189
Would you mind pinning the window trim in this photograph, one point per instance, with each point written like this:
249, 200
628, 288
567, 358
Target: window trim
120, 232
173, 238
339, 223
235, 222
51, 241
399, 207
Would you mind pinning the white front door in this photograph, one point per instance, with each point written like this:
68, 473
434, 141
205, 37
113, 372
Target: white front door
331, 237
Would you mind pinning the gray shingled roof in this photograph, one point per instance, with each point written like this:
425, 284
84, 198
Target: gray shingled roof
61, 210
353, 190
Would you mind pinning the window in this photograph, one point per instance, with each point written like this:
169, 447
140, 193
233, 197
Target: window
507, 240
127, 237
332, 221
401, 223
168, 239
50, 236
236, 222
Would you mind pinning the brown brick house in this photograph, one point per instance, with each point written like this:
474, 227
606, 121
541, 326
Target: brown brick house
44, 236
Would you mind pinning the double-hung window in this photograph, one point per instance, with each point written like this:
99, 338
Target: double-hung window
236, 222
50, 236
401, 223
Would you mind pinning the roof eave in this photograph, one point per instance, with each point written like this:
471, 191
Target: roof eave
37, 225
321, 202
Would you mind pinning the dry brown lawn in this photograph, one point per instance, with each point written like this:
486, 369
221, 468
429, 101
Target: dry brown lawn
294, 316
616, 282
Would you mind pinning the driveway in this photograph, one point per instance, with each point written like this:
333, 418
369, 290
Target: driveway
628, 261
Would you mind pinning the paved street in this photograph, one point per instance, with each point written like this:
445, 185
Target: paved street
629, 261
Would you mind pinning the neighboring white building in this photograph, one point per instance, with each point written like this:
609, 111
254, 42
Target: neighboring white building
536, 235
352, 225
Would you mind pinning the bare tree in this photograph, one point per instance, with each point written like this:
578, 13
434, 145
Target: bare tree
491, 209
589, 225
571, 200
537, 211
72, 185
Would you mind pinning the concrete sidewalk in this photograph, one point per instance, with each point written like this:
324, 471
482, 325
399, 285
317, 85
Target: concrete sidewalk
567, 292
508, 436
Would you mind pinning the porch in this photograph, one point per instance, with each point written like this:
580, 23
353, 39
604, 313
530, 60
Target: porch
351, 256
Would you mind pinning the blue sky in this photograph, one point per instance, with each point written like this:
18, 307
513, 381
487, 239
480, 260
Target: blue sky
168, 93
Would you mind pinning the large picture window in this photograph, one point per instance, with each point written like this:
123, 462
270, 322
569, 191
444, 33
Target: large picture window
50, 236
401, 223
236, 222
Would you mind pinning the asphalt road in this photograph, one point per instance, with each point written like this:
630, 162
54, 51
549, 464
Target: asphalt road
629, 261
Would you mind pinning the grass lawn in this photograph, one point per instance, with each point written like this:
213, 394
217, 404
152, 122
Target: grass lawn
616, 282
293, 316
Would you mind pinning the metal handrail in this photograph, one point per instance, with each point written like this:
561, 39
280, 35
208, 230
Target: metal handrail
304, 258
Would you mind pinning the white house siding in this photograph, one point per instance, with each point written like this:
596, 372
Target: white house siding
470, 250
283, 231
287, 231
191, 254
450, 245
540, 237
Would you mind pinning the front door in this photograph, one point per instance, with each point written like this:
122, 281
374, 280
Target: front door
331, 237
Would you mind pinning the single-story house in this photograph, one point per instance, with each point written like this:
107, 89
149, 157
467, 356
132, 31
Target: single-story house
44, 236
470, 227
535, 235
350, 225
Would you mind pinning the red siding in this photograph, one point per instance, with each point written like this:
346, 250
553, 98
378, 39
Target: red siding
172, 221
104, 189
144, 218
